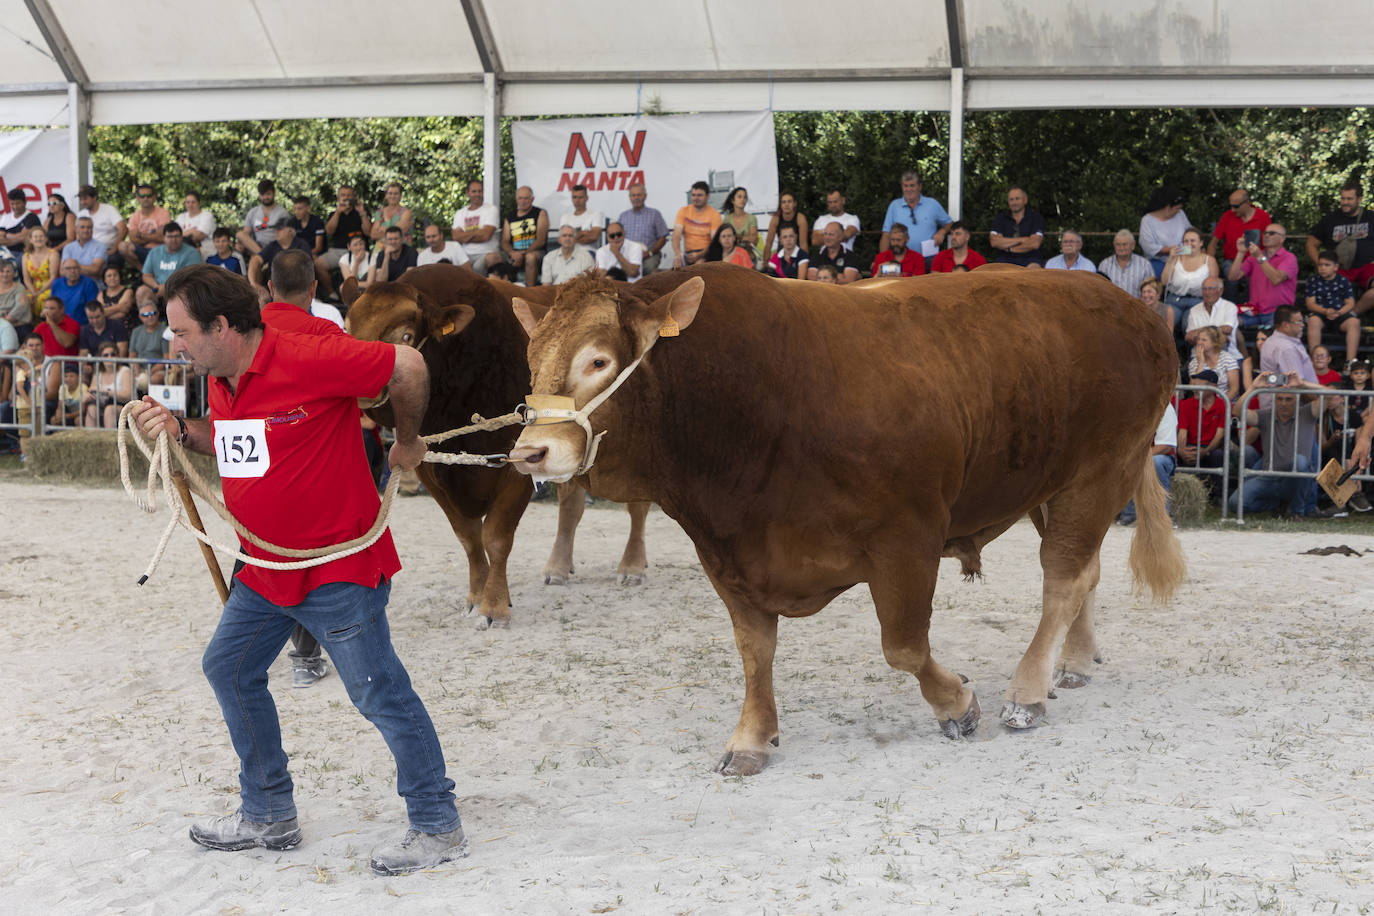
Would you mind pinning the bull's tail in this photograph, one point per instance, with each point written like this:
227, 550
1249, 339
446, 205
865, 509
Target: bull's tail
1156, 556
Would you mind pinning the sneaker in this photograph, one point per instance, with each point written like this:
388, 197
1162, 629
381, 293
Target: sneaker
417, 851
232, 832
1359, 502
306, 671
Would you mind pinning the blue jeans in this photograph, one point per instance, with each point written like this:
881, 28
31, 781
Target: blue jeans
350, 620
1265, 493
1164, 470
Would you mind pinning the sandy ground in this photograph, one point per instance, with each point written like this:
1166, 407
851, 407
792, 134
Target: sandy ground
1220, 761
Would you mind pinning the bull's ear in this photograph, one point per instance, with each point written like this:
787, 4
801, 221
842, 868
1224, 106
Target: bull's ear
451, 320
528, 312
349, 292
670, 315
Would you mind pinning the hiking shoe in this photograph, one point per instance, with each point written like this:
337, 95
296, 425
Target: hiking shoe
417, 851
1360, 503
232, 832
306, 671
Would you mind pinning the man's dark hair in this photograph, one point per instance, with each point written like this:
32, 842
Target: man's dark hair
395, 229
292, 273
701, 186
208, 291
301, 199
615, 273
33, 335
16, 194
142, 186
957, 224
1326, 254
88, 190
94, 306
195, 194
1017, 187
580, 187
222, 233
171, 226
267, 184
836, 190
1354, 185
1284, 314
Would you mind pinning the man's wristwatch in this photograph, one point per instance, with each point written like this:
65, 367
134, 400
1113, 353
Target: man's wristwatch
182, 436
1263, 258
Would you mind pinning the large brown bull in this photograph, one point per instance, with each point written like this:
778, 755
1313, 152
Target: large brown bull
809, 437
475, 350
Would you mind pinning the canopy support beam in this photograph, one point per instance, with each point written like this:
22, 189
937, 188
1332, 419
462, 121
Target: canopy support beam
491, 138
78, 102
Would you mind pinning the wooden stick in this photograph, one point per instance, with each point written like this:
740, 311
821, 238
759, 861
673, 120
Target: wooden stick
206, 550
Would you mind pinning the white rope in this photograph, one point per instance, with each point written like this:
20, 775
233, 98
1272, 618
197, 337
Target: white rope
163, 449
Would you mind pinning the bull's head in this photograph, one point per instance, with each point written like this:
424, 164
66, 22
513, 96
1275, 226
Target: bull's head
580, 351
398, 313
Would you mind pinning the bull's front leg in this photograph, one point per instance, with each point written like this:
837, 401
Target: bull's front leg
635, 559
571, 505
498, 534
756, 637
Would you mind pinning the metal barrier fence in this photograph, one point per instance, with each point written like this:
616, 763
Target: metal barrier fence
110, 382
1197, 467
1311, 456
16, 373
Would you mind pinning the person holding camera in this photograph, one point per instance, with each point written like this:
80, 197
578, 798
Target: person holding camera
1184, 273
1273, 274
1285, 352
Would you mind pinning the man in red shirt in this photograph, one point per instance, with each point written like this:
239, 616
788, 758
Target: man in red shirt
900, 260
58, 330
958, 254
1201, 425
1241, 216
284, 430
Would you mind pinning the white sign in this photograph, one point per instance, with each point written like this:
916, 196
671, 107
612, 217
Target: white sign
173, 397
241, 448
665, 154
36, 162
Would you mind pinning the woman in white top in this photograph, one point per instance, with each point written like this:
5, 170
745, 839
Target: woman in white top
110, 389
1184, 271
1162, 226
1210, 353
197, 226
354, 262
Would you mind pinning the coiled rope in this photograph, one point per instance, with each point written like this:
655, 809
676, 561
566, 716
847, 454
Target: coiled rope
163, 451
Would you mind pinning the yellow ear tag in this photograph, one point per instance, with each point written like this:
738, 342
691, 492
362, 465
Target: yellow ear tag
670, 327
446, 330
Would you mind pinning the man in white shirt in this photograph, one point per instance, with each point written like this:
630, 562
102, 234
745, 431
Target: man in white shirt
834, 202
621, 252
1214, 312
440, 250
570, 260
588, 223
107, 225
477, 227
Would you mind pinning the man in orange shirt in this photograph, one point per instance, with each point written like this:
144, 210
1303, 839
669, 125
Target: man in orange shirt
694, 226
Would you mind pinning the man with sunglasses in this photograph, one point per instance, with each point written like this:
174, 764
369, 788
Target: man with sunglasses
1241, 216
1273, 274
145, 226
620, 252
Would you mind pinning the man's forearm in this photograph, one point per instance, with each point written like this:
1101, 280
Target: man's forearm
409, 391
200, 437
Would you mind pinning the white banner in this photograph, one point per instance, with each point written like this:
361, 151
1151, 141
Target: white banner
37, 162
665, 154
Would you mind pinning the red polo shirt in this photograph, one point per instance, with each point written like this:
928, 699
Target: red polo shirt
912, 265
287, 447
287, 317
1231, 230
943, 262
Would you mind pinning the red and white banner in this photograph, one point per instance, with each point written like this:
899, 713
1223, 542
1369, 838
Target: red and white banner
666, 154
37, 162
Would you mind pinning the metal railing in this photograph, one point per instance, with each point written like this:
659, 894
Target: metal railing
1197, 467
1313, 452
182, 391
17, 369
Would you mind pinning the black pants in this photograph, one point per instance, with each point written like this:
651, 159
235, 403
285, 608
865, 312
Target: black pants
303, 644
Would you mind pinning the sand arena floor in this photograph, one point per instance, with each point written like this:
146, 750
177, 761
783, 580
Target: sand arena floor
1219, 762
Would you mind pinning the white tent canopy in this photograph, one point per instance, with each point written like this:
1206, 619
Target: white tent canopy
78, 62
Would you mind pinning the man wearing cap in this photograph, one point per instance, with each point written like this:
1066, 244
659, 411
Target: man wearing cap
285, 237
1162, 453
1202, 424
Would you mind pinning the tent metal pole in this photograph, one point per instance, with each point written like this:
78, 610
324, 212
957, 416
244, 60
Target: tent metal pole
491, 137
956, 141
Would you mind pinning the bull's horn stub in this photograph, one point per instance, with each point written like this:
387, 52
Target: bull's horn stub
550, 402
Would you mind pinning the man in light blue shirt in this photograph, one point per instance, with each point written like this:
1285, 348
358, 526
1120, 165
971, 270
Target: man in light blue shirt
924, 217
1071, 254
85, 250
167, 258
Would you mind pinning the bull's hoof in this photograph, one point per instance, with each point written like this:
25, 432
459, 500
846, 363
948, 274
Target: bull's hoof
1071, 680
481, 622
1017, 715
965, 725
499, 623
631, 579
555, 579
741, 763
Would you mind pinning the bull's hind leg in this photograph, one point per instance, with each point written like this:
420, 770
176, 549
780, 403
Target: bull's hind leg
571, 505
1080, 647
1075, 521
636, 558
901, 595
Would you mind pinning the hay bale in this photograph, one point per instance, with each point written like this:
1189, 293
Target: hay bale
90, 455
1189, 497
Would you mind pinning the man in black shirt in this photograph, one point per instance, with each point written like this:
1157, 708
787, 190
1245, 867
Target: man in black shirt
395, 258
846, 263
1349, 231
1018, 232
286, 237
15, 225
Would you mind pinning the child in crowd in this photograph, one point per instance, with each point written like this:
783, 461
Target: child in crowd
224, 252
1321, 364
71, 397
827, 273
1331, 297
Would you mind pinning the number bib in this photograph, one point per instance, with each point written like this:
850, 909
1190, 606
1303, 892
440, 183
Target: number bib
241, 448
